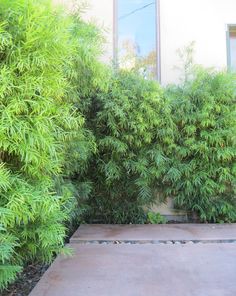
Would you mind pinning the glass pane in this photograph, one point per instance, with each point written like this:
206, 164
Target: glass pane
233, 50
137, 36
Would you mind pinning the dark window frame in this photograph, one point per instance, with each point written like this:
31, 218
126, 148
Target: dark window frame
158, 37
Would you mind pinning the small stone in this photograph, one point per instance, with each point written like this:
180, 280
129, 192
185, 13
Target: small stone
177, 243
169, 242
94, 242
117, 242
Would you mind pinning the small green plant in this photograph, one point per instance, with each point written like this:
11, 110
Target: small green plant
155, 218
186, 56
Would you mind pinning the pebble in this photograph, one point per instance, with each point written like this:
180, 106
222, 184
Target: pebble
177, 243
169, 242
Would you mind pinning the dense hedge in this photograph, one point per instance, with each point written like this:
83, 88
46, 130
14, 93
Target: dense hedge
126, 119
179, 142
201, 171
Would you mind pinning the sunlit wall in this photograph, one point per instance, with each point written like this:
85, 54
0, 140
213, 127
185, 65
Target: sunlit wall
202, 21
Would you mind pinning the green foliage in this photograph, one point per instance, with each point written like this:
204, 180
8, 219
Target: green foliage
86, 74
39, 126
77, 139
155, 218
85, 71
125, 120
8, 266
201, 171
35, 217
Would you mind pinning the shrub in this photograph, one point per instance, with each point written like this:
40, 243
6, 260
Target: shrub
125, 120
38, 127
201, 170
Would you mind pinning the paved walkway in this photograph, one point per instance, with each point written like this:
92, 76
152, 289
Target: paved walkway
145, 260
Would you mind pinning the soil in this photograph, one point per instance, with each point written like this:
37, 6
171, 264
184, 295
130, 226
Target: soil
26, 281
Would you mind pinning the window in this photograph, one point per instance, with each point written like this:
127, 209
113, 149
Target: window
232, 47
136, 36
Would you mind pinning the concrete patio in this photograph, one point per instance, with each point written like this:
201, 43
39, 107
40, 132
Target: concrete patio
143, 260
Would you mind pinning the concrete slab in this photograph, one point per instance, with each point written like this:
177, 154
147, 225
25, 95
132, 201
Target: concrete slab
142, 270
165, 232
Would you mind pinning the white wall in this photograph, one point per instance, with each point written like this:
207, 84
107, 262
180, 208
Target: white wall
202, 21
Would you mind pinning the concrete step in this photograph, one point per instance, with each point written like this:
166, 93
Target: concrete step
142, 270
155, 233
